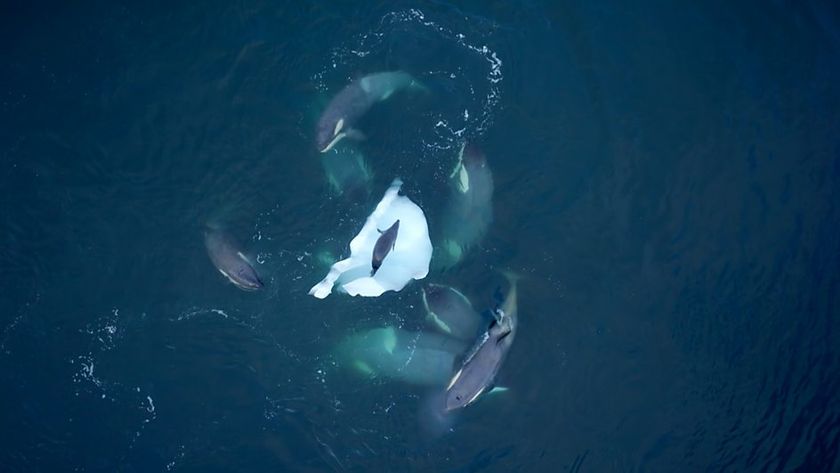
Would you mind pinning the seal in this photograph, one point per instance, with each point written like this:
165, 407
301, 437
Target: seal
383, 246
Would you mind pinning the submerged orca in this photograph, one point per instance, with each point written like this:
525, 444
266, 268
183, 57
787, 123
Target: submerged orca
419, 358
450, 312
470, 209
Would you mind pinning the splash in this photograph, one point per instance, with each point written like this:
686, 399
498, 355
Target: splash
493, 73
251, 324
106, 335
21, 316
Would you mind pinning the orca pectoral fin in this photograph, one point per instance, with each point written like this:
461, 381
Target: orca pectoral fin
456, 169
463, 180
418, 86
497, 390
435, 321
364, 368
486, 392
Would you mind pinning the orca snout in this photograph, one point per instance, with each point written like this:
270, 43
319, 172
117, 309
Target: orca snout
249, 279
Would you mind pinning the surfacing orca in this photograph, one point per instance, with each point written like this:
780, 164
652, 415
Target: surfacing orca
353, 101
228, 258
478, 372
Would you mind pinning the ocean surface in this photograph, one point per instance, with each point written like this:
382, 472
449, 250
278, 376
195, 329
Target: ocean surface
666, 182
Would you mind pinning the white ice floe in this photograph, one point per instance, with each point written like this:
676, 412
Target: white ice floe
409, 259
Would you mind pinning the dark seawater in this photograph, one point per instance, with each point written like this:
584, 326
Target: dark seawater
667, 181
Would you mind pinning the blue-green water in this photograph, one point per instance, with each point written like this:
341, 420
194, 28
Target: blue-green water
666, 181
